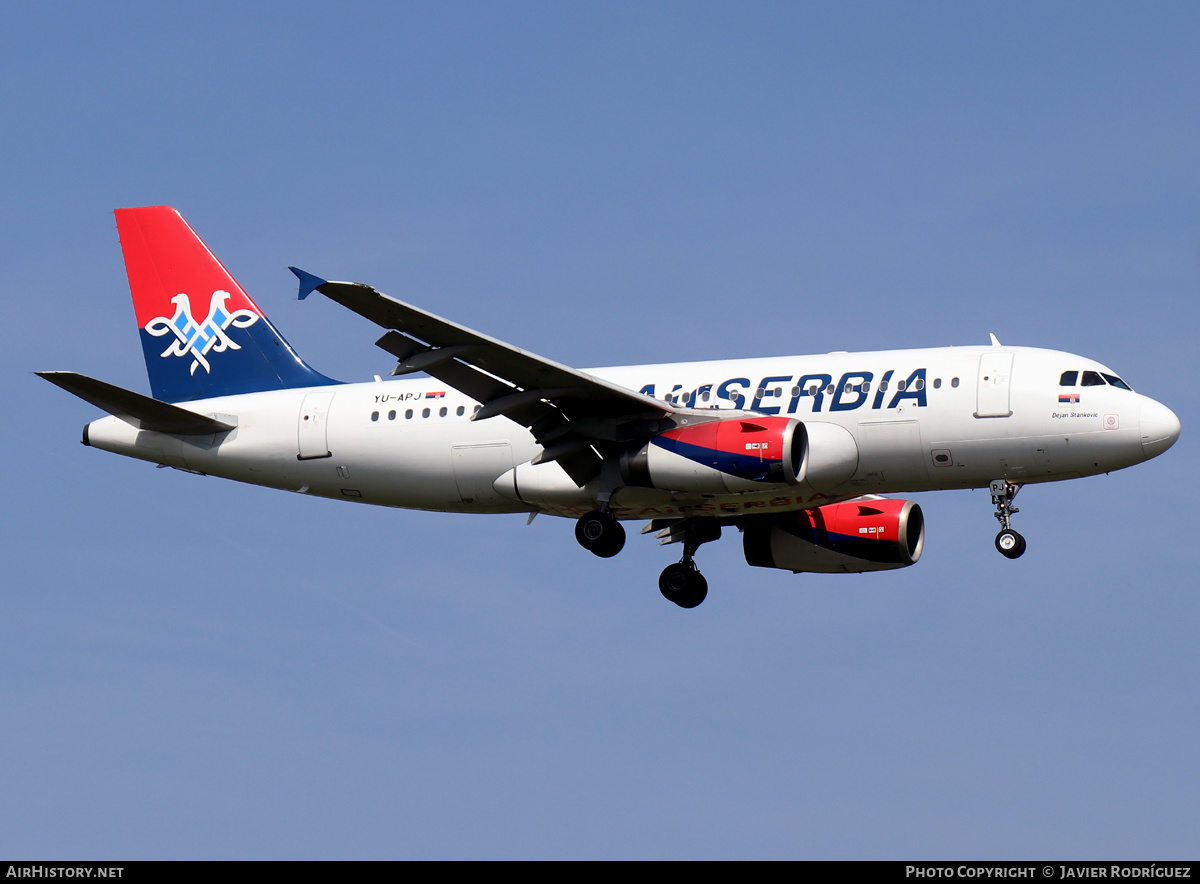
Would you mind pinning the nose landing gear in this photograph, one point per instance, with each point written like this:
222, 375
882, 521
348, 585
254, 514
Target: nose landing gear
1010, 544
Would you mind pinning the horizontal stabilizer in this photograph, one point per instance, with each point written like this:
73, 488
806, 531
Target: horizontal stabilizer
134, 408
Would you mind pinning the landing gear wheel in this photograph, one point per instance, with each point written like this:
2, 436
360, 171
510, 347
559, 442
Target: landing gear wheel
599, 533
682, 584
1010, 543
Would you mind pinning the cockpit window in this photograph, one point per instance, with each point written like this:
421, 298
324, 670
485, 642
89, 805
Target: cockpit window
1092, 379
1117, 382
1068, 379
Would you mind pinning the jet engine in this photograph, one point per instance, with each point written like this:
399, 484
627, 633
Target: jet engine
720, 456
743, 454
865, 534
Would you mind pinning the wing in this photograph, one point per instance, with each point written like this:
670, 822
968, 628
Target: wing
575, 417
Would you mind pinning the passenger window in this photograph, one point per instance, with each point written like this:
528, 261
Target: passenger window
391, 415
954, 382
865, 386
408, 415
920, 383
374, 415
900, 385
883, 385
459, 411
1092, 379
937, 383
1068, 379
424, 412
1117, 382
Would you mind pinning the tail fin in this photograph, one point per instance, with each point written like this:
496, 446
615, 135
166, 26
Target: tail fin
201, 334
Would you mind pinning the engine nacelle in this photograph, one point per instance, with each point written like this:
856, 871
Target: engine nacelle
830, 455
744, 454
867, 534
720, 456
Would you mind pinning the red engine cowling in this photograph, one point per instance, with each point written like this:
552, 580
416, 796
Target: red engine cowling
731, 455
867, 534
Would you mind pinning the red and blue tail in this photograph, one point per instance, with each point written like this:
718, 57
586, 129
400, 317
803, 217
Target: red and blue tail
201, 334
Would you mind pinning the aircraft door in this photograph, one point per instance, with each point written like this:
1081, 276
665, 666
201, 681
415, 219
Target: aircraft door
891, 454
312, 433
476, 467
995, 382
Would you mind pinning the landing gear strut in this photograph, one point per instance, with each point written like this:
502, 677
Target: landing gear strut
600, 533
1008, 542
682, 582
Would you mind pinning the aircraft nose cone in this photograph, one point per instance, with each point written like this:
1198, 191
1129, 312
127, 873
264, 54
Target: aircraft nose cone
1160, 428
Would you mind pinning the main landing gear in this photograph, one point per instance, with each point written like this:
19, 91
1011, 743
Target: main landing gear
1010, 544
682, 582
600, 533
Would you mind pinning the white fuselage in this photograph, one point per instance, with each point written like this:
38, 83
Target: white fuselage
922, 420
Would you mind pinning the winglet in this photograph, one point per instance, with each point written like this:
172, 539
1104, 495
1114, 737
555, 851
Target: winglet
308, 282
995, 340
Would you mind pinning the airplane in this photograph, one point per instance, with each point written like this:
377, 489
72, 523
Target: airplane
795, 452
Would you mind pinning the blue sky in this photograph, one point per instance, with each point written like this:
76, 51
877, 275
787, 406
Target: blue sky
193, 668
